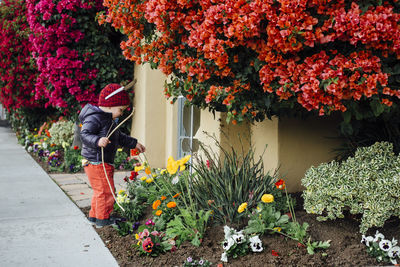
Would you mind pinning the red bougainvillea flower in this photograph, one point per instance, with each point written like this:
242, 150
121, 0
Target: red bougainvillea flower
280, 184
148, 245
274, 253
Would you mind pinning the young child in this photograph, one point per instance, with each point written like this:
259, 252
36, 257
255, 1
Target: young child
97, 123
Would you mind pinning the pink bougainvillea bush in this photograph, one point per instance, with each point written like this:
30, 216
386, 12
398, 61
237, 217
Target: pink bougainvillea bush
75, 56
260, 58
17, 70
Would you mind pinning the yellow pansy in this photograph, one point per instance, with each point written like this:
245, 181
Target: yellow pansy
172, 165
267, 198
163, 171
139, 168
149, 180
278, 229
242, 207
143, 178
137, 236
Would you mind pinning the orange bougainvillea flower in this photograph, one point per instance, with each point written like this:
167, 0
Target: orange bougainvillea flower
156, 204
158, 212
171, 204
280, 184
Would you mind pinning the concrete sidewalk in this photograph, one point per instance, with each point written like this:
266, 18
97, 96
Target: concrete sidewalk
39, 224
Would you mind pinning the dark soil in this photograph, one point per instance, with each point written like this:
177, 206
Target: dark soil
345, 249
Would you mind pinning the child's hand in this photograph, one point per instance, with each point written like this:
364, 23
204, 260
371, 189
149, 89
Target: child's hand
140, 147
103, 142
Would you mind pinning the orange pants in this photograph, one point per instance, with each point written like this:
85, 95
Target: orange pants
102, 199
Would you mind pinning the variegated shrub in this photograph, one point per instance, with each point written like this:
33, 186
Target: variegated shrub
367, 184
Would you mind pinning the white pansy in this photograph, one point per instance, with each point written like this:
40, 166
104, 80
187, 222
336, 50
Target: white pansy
175, 180
394, 242
393, 261
367, 240
30, 149
44, 145
378, 236
239, 238
394, 252
385, 245
224, 257
228, 243
256, 244
228, 231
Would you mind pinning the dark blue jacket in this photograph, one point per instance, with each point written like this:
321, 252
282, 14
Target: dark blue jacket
96, 124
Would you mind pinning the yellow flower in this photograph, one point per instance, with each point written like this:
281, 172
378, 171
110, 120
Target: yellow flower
158, 212
242, 207
45, 139
120, 192
119, 149
143, 178
172, 165
137, 236
267, 198
139, 168
163, 171
182, 162
147, 170
278, 229
149, 180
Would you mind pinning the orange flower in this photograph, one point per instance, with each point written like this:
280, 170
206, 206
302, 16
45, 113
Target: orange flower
171, 204
176, 195
280, 184
158, 212
147, 171
163, 197
156, 204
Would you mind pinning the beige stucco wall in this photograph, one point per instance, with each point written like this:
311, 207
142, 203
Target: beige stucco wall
151, 119
304, 143
265, 138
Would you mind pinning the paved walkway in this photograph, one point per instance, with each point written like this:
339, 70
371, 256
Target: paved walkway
39, 224
77, 186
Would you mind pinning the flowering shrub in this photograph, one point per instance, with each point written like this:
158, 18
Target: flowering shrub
382, 249
75, 57
261, 58
367, 184
17, 71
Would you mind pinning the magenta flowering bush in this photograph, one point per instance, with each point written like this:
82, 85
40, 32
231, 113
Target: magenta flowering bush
17, 73
75, 56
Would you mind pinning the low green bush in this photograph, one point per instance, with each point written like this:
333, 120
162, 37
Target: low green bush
366, 184
62, 133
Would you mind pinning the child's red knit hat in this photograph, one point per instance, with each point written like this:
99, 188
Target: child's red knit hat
121, 98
